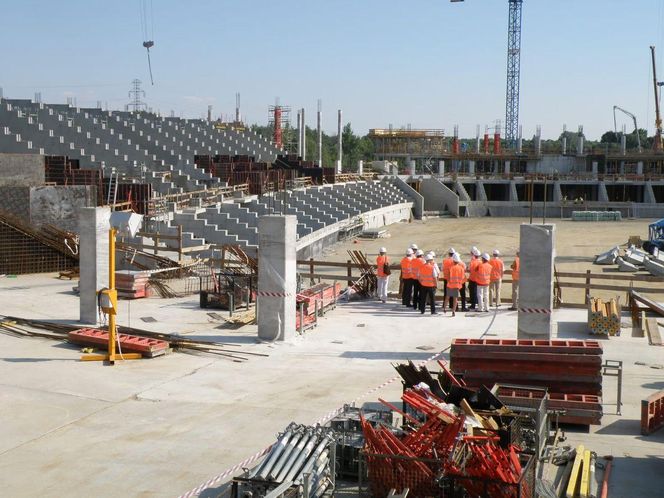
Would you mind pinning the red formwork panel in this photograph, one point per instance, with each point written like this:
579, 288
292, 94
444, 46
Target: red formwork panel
128, 343
533, 346
652, 413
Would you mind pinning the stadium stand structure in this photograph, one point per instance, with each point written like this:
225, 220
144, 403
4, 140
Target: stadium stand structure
160, 155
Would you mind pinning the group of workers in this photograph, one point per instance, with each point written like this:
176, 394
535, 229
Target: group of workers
420, 275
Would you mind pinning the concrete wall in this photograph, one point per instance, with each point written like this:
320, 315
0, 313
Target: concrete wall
59, 205
437, 197
16, 200
48, 205
418, 199
550, 163
21, 169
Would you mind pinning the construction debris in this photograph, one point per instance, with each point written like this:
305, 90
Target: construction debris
366, 285
302, 456
604, 317
608, 257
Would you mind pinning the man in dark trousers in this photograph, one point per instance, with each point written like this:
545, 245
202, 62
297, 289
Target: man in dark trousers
428, 276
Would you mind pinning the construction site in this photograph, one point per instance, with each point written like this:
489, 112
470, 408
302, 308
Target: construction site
197, 307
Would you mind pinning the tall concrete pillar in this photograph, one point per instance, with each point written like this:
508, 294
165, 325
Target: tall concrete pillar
441, 168
277, 275
508, 165
338, 166
537, 252
595, 166
360, 167
471, 168
411, 167
622, 167
623, 144
639, 168
93, 227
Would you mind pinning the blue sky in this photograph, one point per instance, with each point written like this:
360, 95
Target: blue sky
428, 63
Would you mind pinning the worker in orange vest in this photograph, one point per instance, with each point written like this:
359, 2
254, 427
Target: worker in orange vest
482, 279
382, 264
516, 269
475, 261
457, 278
447, 264
415, 265
497, 272
407, 277
427, 276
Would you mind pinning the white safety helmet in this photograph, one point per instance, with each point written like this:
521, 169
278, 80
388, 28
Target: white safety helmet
409, 252
433, 254
414, 247
476, 252
420, 252
451, 251
429, 257
382, 250
496, 252
456, 258
474, 249
486, 256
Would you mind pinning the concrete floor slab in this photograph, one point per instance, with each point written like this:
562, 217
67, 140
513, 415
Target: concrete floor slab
160, 427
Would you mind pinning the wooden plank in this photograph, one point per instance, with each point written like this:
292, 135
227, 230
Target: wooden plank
654, 306
607, 276
654, 337
619, 288
574, 484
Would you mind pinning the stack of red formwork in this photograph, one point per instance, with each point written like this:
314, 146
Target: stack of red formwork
318, 297
128, 343
132, 284
570, 369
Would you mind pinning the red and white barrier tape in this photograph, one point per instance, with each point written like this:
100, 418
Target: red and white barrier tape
273, 294
324, 419
542, 311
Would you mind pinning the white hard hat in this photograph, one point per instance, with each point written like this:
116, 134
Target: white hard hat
429, 257
413, 247
451, 251
433, 254
473, 249
456, 258
486, 256
409, 251
420, 252
496, 252
476, 251
382, 249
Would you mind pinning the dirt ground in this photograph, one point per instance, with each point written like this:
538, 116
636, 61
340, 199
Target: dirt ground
576, 244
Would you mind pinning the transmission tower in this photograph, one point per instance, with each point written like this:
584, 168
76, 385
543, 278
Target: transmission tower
135, 95
513, 72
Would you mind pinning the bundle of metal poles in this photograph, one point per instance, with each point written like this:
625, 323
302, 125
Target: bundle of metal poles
302, 458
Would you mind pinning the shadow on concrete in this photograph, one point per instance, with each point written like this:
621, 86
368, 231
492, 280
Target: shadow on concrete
622, 427
577, 330
636, 477
654, 385
35, 360
386, 355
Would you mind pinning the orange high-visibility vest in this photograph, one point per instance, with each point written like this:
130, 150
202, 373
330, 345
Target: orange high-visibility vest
457, 277
380, 265
474, 265
447, 264
497, 269
415, 266
483, 274
516, 268
406, 268
425, 275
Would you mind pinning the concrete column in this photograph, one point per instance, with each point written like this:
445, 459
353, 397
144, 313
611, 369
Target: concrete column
304, 136
340, 140
411, 167
441, 168
623, 145
360, 167
622, 167
579, 146
639, 168
338, 166
649, 193
471, 168
277, 275
514, 194
93, 227
595, 166
564, 145
537, 252
508, 165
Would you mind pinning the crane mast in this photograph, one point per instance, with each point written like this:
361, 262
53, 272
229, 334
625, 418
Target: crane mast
513, 72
